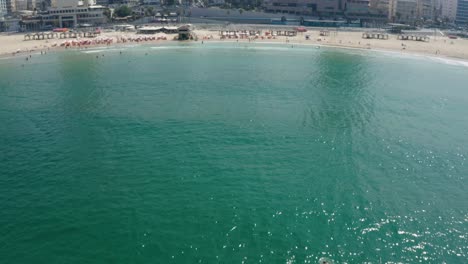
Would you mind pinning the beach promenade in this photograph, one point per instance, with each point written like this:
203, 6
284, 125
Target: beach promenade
437, 45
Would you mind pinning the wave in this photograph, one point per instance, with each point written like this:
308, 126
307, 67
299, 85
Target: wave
450, 61
171, 47
89, 51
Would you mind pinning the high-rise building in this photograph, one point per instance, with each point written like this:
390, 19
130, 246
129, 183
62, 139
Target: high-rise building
25, 5
449, 9
11, 6
402, 11
462, 12
30, 4
426, 9
305, 7
3, 8
21, 5
380, 7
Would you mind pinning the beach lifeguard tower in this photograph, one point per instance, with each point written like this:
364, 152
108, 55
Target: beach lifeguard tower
184, 32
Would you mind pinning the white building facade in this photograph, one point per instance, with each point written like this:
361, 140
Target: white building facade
3, 8
449, 9
403, 11
67, 13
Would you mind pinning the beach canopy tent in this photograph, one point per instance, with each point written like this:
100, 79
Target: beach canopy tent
60, 30
124, 27
301, 29
152, 30
397, 28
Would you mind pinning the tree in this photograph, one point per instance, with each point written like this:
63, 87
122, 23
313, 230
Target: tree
149, 11
241, 11
123, 11
169, 2
107, 13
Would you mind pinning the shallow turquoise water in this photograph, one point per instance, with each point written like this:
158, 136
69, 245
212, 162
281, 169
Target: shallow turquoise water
227, 153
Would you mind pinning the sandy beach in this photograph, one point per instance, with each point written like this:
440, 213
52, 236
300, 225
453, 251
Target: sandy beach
442, 46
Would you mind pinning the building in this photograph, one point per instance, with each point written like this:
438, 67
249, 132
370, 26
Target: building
449, 10
22, 5
66, 13
355, 9
3, 8
357, 6
403, 11
216, 2
426, 9
305, 7
11, 6
380, 6
74, 16
462, 12
360, 10
30, 4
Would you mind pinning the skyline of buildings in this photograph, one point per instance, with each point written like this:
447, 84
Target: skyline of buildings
399, 11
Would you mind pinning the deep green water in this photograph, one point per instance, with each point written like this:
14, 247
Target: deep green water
222, 153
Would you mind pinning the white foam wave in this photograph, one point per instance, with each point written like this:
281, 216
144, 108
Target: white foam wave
170, 47
449, 61
99, 50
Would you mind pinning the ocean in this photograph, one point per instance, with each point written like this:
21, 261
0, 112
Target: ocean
233, 153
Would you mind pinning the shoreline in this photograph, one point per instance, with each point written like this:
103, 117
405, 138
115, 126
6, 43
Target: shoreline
343, 40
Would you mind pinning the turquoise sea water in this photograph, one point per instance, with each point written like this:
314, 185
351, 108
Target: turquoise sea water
226, 153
